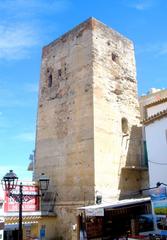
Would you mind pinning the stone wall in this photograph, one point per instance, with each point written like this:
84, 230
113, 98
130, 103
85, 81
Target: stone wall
115, 101
64, 143
88, 119
65, 115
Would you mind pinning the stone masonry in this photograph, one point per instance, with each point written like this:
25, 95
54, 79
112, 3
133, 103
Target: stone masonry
88, 128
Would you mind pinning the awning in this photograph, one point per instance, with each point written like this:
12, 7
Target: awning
24, 214
15, 226
25, 220
116, 204
98, 209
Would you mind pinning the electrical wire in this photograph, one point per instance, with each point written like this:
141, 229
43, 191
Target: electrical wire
157, 163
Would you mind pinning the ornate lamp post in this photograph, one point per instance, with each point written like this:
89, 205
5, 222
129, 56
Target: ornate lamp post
43, 183
9, 183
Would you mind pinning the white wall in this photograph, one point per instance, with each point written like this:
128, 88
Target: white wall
157, 108
157, 151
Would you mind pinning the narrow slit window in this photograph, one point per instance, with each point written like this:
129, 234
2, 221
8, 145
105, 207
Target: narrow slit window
125, 127
50, 80
59, 72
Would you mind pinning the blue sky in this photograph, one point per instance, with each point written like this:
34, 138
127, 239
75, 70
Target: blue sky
27, 25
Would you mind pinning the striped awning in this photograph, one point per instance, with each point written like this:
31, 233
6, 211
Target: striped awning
25, 220
15, 226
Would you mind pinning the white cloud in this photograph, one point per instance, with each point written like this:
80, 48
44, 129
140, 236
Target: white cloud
4, 123
10, 103
157, 49
9, 98
30, 7
16, 40
163, 49
26, 137
142, 4
22, 25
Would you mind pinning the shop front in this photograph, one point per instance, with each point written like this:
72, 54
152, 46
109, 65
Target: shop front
30, 214
116, 220
30, 225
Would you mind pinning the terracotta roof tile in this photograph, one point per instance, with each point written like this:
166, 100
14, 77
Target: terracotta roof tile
155, 117
159, 101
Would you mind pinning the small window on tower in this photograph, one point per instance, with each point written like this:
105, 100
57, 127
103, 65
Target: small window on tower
125, 127
59, 72
114, 57
50, 80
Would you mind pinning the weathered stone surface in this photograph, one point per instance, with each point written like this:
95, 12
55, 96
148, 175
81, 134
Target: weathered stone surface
88, 85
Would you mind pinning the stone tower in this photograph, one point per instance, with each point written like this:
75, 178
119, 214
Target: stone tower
88, 134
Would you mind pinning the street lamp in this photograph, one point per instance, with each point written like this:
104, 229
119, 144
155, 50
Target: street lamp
9, 183
43, 183
160, 183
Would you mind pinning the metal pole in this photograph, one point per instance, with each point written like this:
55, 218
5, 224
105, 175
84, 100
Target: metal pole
20, 211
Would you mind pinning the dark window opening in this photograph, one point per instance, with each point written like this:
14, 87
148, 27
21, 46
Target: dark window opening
125, 127
50, 80
59, 72
108, 43
115, 57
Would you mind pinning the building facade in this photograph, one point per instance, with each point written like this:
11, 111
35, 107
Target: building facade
155, 130
153, 95
88, 138
35, 224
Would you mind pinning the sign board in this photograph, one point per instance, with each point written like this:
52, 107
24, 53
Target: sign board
42, 232
28, 232
95, 212
160, 207
11, 205
159, 200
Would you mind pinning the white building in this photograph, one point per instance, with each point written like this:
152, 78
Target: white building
155, 123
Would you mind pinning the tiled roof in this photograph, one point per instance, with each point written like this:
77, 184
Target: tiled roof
155, 117
156, 102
